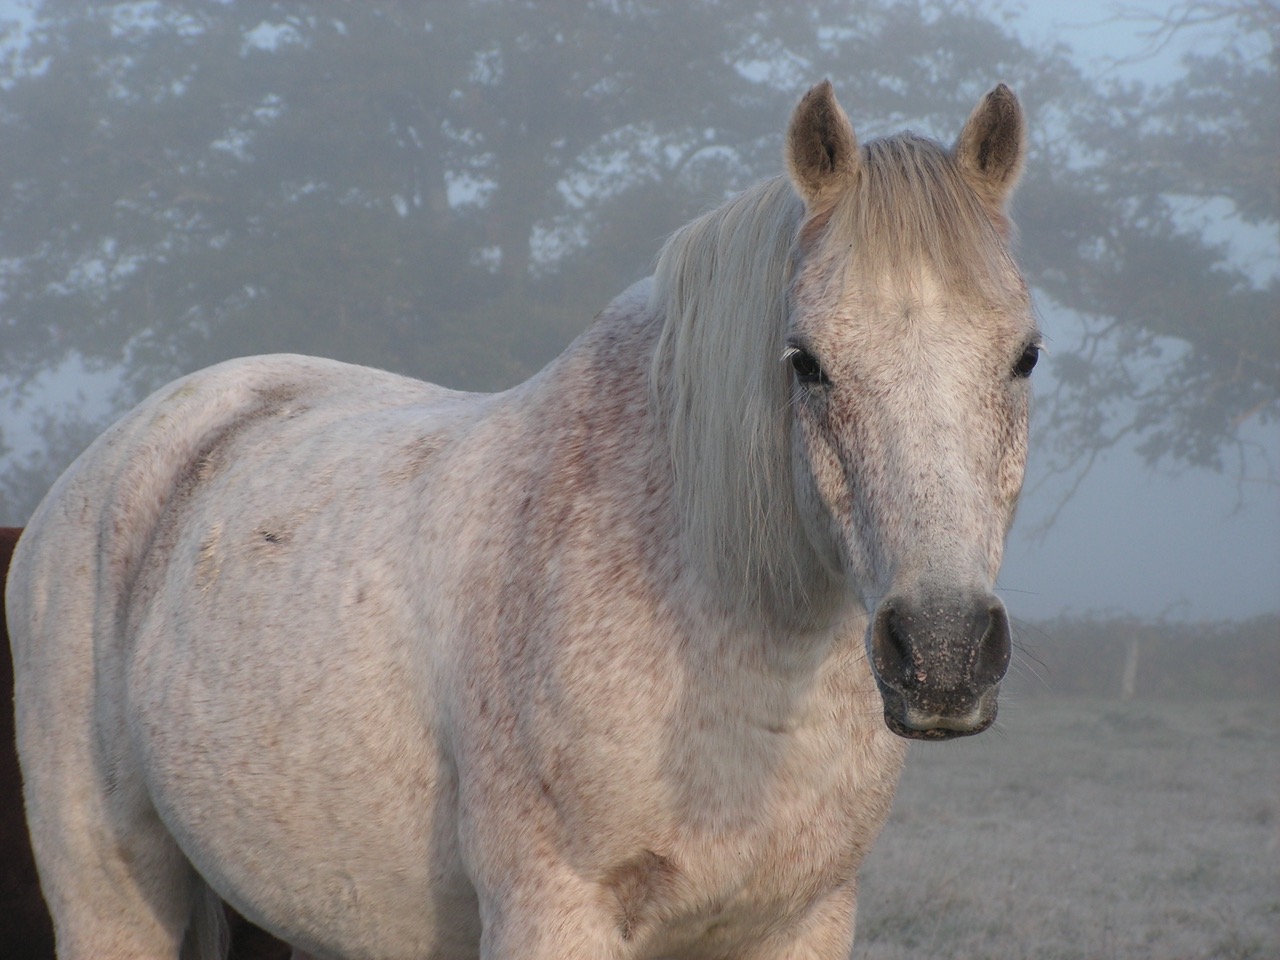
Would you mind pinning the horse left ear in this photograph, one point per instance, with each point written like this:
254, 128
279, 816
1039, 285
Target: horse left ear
992, 146
822, 152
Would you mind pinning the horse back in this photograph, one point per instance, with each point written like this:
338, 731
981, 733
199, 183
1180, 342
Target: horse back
138, 475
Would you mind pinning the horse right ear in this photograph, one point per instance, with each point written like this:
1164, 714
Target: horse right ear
992, 146
822, 152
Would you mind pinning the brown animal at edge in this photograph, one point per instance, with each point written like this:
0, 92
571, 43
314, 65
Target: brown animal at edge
26, 932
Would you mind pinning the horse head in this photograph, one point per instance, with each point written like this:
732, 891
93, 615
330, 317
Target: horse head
909, 343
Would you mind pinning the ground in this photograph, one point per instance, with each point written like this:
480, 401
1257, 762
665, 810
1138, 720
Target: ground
1085, 828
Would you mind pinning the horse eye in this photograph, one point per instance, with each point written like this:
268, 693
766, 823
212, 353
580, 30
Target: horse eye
1027, 362
806, 366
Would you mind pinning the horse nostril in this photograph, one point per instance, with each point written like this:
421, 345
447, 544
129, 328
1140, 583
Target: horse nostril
890, 644
994, 644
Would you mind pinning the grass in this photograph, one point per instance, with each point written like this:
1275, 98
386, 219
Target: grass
1085, 828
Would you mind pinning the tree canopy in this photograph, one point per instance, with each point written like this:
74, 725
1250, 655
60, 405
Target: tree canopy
1183, 340
452, 190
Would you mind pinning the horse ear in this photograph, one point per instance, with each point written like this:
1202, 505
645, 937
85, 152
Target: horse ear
822, 152
991, 147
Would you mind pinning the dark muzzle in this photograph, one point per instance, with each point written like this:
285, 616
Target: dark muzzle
938, 662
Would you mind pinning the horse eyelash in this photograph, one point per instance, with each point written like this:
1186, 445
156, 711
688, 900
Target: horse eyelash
817, 376
1032, 350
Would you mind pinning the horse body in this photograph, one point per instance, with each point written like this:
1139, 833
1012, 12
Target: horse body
399, 671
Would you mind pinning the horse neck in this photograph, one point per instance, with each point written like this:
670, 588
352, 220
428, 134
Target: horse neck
728, 533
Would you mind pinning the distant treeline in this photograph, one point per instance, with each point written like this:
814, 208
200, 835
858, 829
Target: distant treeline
1128, 656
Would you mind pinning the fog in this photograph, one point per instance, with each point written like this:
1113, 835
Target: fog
1187, 545
452, 190
1171, 539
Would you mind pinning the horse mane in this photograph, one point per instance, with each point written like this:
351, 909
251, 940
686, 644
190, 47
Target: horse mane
720, 286
721, 290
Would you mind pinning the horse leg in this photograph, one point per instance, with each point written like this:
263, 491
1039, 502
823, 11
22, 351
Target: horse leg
541, 929
825, 933
115, 881
554, 919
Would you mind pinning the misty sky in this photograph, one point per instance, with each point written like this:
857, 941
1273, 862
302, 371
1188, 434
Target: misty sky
1196, 545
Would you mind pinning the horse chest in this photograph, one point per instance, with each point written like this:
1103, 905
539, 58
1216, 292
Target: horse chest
717, 895
753, 842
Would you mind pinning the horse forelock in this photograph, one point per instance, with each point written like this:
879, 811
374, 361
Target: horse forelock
911, 213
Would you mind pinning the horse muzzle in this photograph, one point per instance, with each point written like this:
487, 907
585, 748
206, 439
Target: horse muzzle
938, 662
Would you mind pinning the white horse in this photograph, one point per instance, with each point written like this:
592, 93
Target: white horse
616, 664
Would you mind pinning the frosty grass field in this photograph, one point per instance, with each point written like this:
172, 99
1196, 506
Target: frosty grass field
1085, 828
